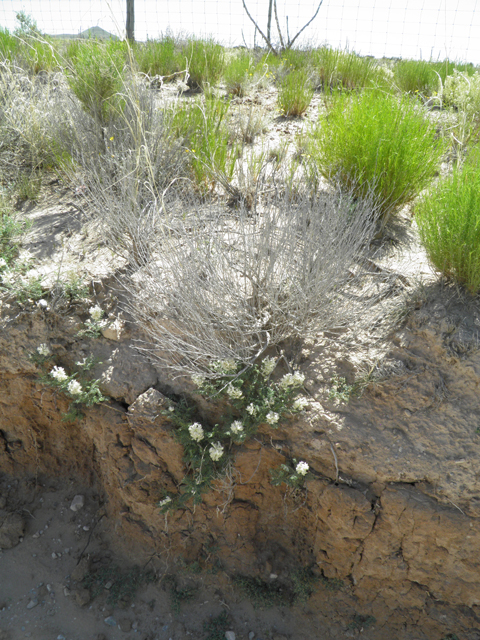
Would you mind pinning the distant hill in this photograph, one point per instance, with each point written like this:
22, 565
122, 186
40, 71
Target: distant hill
93, 32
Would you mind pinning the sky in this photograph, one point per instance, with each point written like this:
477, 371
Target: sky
426, 29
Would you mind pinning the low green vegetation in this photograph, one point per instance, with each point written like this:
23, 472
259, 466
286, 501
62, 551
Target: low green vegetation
119, 585
448, 219
205, 60
417, 77
239, 73
375, 143
295, 93
159, 58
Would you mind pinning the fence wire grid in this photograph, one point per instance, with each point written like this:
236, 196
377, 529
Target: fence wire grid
422, 29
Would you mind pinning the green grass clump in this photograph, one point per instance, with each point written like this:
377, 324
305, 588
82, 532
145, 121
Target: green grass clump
202, 128
376, 144
10, 232
295, 93
95, 77
205, 61
449, 223
238, 73
159, 58
335, 68
417, 77
8, 44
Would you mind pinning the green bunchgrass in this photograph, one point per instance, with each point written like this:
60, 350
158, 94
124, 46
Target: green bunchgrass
205, 60
295, 59
95, 77
295, 93
8, 44
417, 77
202, 127
448, 219
335, 68
238, 73
447, 67
374, 143
10, 232
159, 58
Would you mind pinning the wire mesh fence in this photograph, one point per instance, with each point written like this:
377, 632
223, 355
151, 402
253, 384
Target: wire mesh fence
425, 29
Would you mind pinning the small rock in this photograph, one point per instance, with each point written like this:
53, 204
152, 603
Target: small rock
81, 570
110, 621
82, 597
125, 625
54, 555
229, 635
36, 535
12, 527
66, 591
77, 503
86, 528
108, 585
60, 636
251, 635
32, 603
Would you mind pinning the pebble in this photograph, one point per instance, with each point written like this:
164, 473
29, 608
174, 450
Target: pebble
251, 635
54, 555
77, 503
61, 637
32, 603
229, 635
110, 621
67, 591
86, 528
125, 625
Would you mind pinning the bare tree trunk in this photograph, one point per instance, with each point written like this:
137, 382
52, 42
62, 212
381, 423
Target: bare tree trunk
130, 26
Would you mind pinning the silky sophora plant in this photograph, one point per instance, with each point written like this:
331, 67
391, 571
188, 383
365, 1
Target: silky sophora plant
216, 285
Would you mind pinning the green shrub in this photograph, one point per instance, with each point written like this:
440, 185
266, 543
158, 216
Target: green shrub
205, 61
373, 143
159, 58
417, 76
295, 93
449, 223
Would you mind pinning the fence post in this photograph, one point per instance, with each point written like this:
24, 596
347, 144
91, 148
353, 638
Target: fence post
130, 26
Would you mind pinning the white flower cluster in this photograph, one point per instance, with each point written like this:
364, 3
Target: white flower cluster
272, 417
292, 380
74, 388
43, 350
8, 278
234, 392
300, 404
196, 431
302, 468
3, 263
58, 374
252, 409
198, 379
216, 451
96, 313
165, 501
225, 367
267, 366
236, 427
